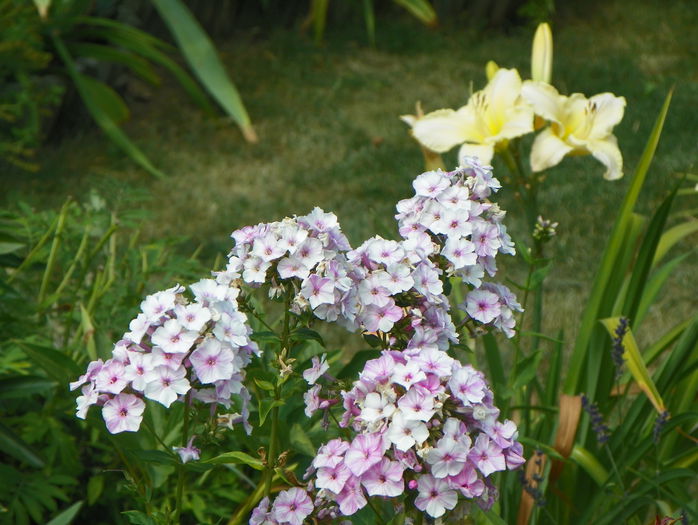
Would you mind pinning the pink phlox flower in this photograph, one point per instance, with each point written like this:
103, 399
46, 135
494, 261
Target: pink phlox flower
435, 496
426, 280
378, 370
365, 451
312, 400
261, 514
385, 252
504, 433
399, 278
89, 397
232, 328
405, 433
188, 453
456, 197
448, 458
467, 385
292, 506
454, 429
318, 290
487, 455
111, 377
376, 407
319, 221
138, 366
319, 367
138, 327
482, 306
164, 385
332, 478
409, 459
373, 289
208, 291
430, 184
513, 456
310, 252
213, 361
408, 374
460, 251
173, 338
193, 316
485, 236
290, 267
352, 497
472, 274
415, 405
92, 370
291, 237
331, 453
123, 413
468, 482
255, 270
158, 357
382, 318
267, 248
435, 362
156, 305
384, 479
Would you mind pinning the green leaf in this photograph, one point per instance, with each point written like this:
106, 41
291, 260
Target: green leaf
23, 386
590, 464
306, 334
356, 364
95, 487
157, 457
265, 337
318, 16
421, 9
106, 53
526, 369
673, 236
96, 101
56, 364
136, 517
301, 442
14, 446
373, 340
200, 54
370, 21
265, 406
237, 458
264, 385
493, 356
67, 516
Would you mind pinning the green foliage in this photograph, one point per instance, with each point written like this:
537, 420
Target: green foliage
68, 282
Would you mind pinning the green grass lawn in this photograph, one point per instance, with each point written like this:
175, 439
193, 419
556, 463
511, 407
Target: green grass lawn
327, 117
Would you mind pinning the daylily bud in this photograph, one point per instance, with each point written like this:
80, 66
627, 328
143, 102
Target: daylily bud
491, 69
542, 54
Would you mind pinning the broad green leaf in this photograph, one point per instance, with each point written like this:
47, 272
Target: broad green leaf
109, 102
67, 516
264, 385
95, 487
9, 247
14, 446
265, 406
654, 285
318, 16
353, 367
636, 365
23, 386
94, 99
306, 334
157, 457
200, 54
526, 369
607, 266
237, 458
421, 9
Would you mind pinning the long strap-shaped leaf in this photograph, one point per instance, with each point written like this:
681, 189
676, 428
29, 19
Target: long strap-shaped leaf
200, 54
591, 312
86, 88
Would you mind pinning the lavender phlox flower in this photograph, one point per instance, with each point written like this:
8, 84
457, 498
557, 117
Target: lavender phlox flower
123, 413
365, 451
406, 433
213, 361
261, 515
384, 479
111, 377
416, 405
319, 367
435, 496
332, 478
331, 454
188, 453
482, 305
448, 457
468, 482
467, 385
487, 455
292, 506
352, 497
173, 338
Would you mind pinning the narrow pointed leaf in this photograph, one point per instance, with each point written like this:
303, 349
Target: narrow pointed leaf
237, 458
200, 54
636, 365
673, 236
67, 516
421, 9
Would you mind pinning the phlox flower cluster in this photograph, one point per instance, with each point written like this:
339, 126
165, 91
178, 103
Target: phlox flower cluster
423, 423
174, 347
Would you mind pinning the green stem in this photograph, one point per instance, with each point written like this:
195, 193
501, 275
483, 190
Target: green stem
180, 467
54, 252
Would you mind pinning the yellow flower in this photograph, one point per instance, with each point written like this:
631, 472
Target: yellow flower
491, 117
542, 54
578, 126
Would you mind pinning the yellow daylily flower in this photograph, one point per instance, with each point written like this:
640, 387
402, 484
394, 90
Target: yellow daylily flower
542, 54
491, 117
578, 126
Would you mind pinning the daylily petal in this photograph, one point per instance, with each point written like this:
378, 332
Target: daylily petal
545, 99
519, 121
483, 152
607, 152
547, 150
503, 90
440, 130
608, 113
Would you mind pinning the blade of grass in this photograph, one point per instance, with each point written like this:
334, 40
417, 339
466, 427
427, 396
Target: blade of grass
200, 54
421, 9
